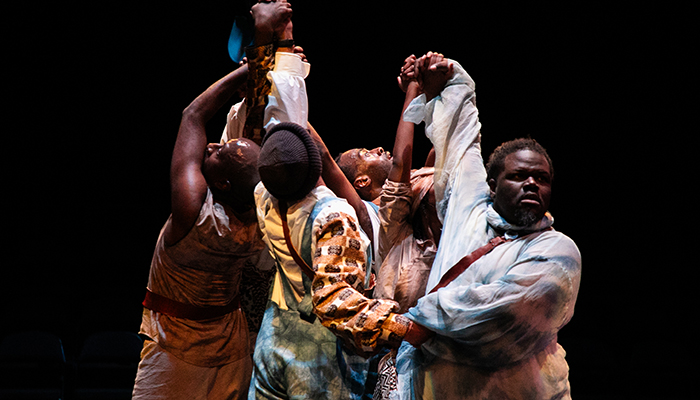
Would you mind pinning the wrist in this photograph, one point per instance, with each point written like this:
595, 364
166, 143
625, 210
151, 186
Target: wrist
286, 45
413, 89
417, 334
263, 36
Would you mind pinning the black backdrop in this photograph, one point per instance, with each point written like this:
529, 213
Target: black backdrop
95, 109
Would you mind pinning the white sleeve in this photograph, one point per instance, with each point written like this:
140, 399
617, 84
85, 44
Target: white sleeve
452, 125
287, 101
235, 120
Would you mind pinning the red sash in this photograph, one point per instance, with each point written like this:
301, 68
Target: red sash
466, 261
178, 309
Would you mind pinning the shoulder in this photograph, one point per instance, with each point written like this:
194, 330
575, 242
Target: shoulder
264, 201
553, 247
563, 242
551, 240
329, 206
332, 212
263, 204
424, 172
260, 191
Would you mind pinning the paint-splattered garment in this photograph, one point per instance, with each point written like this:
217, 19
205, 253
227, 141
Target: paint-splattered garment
297, 354
496, 325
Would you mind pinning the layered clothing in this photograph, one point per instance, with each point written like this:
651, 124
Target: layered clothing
201, 271
496, 324
313, 326
406, 239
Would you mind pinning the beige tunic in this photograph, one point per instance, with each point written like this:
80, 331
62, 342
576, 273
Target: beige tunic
204, 269
408, 255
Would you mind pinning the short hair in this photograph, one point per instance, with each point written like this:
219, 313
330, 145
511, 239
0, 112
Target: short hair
496, 163
349, 168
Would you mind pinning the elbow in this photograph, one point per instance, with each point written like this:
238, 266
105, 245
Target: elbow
195, 114
191, 111
397, 163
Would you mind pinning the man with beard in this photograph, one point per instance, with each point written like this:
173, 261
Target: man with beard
519, 176
488, 331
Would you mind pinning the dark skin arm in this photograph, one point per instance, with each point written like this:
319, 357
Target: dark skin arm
430, 159
188, 186
403, 144
272, 21
334, 178
432, 72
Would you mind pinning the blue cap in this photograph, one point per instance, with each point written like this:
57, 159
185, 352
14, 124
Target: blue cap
241, 37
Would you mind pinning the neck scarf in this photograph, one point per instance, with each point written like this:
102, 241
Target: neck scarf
513, 231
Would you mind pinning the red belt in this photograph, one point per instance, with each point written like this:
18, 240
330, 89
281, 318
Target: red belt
178, 309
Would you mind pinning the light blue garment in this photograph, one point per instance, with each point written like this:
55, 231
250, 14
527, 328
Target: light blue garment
295, 356
297, 359
496, 324
376, 262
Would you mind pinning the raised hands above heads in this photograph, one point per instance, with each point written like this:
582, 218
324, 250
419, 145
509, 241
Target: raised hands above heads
272, 21
433, 71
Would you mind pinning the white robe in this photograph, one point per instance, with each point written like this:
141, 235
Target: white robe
496, 324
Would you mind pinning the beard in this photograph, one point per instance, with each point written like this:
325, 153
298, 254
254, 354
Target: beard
525, 217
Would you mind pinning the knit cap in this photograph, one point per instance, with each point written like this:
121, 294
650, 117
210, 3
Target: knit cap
289, 163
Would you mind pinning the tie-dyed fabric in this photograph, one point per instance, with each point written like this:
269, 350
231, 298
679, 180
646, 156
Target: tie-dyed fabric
296, 358
496, 324
297, 354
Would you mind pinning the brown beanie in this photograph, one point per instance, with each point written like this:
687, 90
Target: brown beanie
289, 163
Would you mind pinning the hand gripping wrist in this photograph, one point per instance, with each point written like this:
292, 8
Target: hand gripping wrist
417, 334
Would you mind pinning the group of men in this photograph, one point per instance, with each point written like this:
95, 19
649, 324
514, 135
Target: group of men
445, 282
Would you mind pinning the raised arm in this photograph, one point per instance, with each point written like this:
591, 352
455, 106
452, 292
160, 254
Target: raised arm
187, 183
403, 144
339, 261
433, 71
272, 21
334, 178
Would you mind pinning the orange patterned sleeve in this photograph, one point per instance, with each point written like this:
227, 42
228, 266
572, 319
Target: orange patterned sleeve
340, 265
260, 62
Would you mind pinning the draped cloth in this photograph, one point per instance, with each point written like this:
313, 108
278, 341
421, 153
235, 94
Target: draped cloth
496, 324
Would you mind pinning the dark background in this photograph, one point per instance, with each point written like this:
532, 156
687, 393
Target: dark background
96, 93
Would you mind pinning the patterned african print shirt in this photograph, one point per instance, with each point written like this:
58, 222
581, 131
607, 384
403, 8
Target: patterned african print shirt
338, 248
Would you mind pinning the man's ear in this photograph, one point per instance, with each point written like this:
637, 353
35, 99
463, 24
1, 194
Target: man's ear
223, 186
362, 181
492, 187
